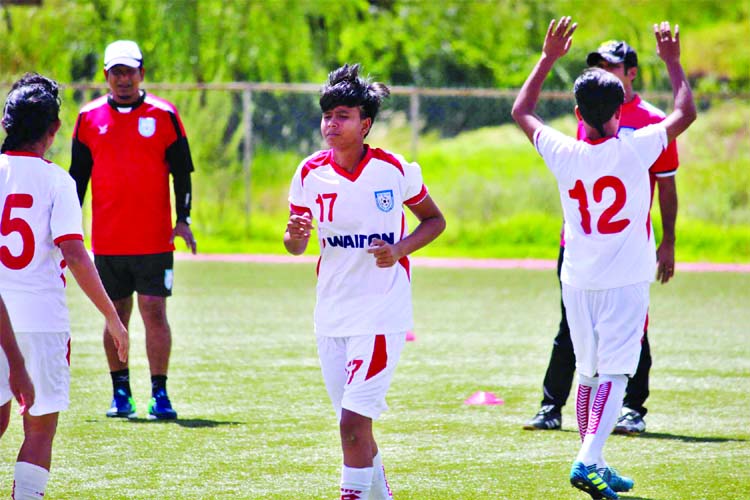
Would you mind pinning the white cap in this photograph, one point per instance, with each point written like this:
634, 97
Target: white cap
122, 52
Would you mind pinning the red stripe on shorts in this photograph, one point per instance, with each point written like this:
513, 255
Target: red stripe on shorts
379, 357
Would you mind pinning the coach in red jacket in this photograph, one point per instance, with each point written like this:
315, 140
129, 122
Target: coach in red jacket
128, 143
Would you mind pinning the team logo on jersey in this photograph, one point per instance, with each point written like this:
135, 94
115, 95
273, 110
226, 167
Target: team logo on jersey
147, 126
384, 200
103, 129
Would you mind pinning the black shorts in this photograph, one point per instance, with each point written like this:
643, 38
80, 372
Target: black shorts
146, 274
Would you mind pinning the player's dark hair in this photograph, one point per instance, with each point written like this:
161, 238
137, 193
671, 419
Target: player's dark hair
31, 108
599, 94
346, 88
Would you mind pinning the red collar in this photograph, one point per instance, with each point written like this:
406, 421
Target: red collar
27, 154
599, 140
23, 153
353, 175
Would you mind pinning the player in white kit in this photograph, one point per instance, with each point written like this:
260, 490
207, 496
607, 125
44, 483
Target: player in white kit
355, 194
610, 256
41, 236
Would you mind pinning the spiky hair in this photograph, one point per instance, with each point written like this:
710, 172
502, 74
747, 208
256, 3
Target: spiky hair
346, 88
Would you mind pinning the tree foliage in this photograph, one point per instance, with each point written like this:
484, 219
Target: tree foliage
449, 43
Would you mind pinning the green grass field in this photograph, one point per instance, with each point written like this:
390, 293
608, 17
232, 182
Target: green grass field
255, 421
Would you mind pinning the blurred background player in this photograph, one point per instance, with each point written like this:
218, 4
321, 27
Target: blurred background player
43, 218
363, 309
127, 143
609, 260
621, 60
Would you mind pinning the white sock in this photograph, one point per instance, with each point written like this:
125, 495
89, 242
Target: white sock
601, 465
380, 490
355, 483
603, 416
29, 481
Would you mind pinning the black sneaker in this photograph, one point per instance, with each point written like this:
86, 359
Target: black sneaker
547, 419
630, 422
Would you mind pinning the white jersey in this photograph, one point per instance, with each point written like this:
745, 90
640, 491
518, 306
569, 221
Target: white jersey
606, 196
40, 209
354, 296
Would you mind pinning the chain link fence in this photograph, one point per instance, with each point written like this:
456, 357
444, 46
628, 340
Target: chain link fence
247, 138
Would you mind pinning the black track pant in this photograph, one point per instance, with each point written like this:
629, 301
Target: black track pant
559, 376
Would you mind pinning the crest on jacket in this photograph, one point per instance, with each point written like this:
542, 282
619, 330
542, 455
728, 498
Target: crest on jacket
147, 126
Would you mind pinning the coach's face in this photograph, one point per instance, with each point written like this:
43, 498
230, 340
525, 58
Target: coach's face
124, 83
343, 126
626, 77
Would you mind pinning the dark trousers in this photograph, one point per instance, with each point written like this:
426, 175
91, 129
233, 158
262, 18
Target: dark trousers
562, 364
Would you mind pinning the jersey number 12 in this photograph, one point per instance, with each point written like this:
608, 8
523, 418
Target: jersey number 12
605, 224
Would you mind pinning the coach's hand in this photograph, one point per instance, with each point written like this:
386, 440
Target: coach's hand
665, 262
558, 39
385, 254
183, 230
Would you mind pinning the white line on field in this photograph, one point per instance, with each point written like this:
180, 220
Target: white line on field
455, 263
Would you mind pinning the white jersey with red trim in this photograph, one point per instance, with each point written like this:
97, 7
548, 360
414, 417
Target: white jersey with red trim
606, 196
354, 296
40, 209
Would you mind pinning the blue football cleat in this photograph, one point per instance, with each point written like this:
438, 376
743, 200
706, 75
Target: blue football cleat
616, 481
588, 480
160, 408
123, 405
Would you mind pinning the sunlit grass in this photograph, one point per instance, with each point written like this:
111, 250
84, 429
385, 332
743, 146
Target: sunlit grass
256, 423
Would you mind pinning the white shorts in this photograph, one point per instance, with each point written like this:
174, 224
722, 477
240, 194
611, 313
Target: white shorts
606, 327
47, 359
358, 370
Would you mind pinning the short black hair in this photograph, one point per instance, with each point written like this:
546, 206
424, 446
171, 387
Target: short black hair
346, 88
31, 108
599, 94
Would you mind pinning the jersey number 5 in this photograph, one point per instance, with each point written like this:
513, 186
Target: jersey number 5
10, 225
321, 201
605, 224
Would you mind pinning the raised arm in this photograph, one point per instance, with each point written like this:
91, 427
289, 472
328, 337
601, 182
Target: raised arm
556, 44
668, 49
